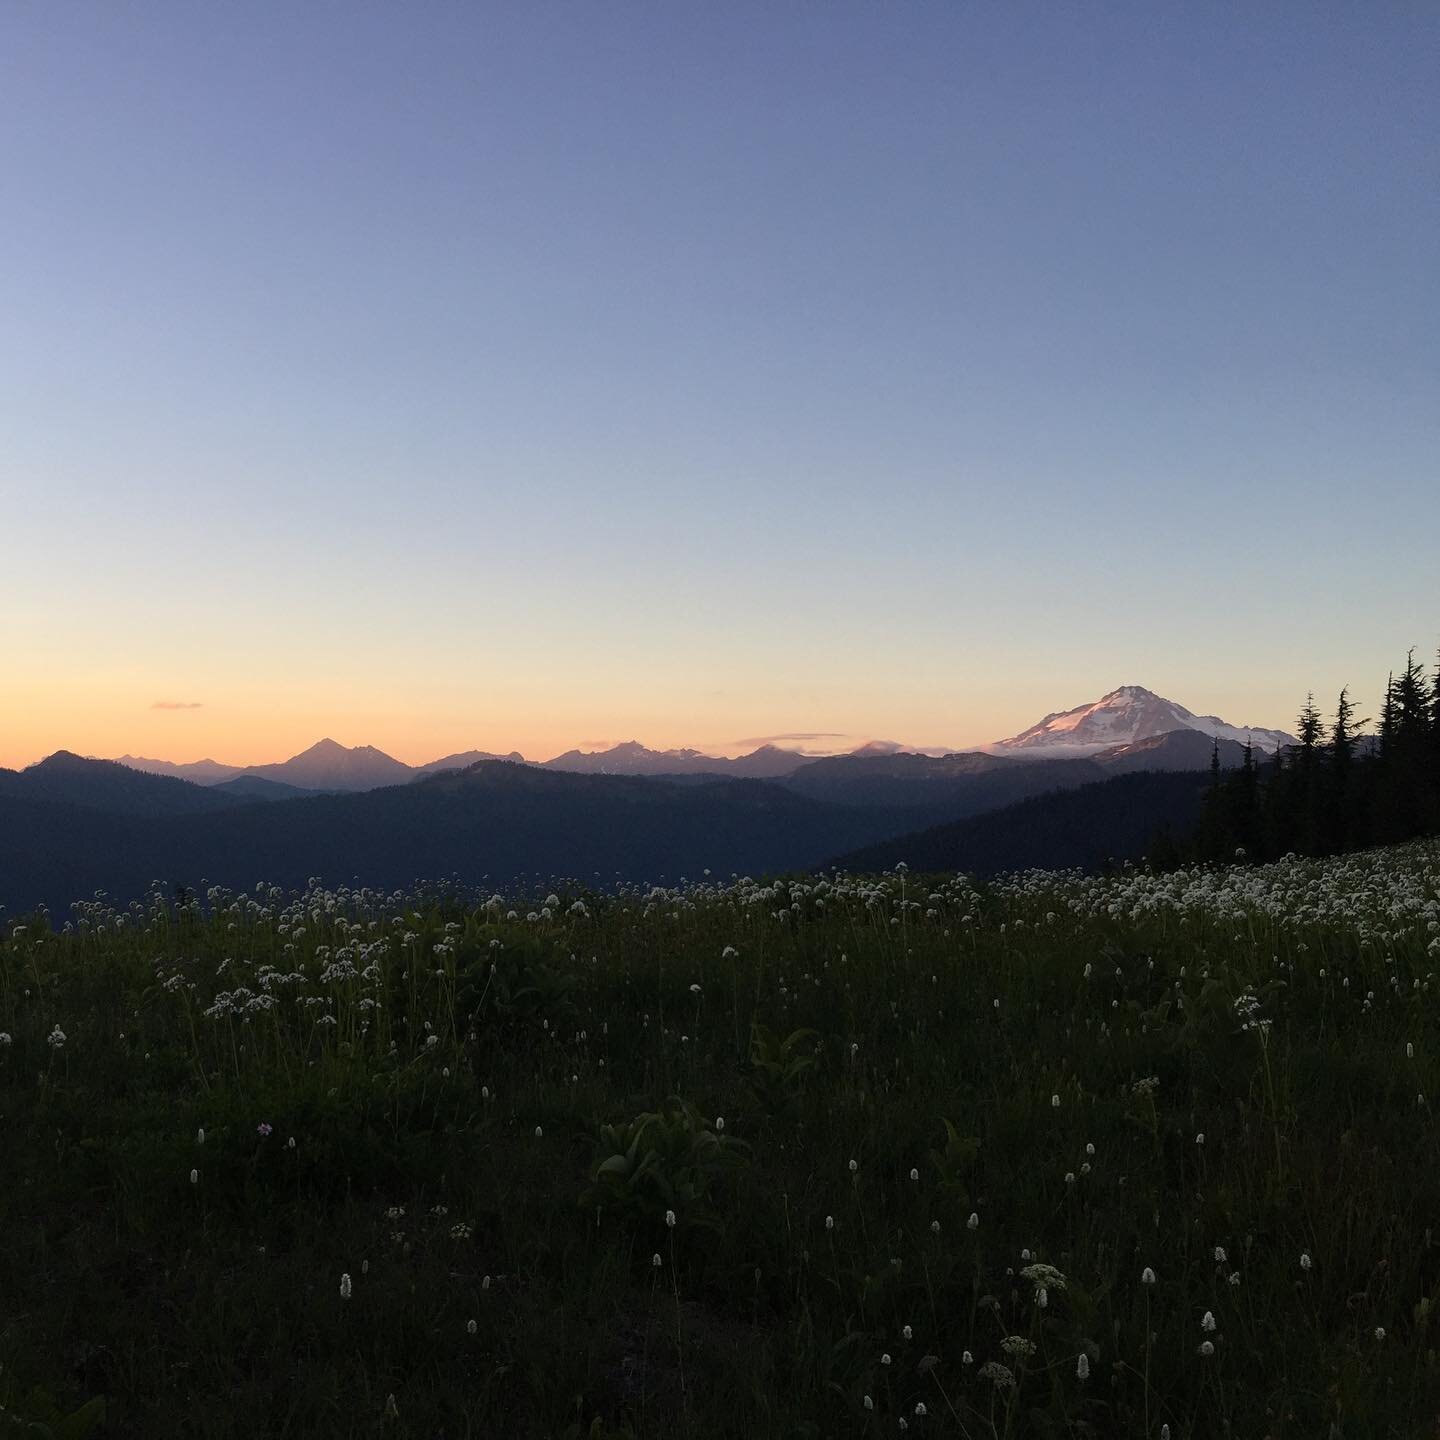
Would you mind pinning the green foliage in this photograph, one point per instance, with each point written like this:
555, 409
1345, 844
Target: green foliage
779, 1068
959, 1124
669, 1159
953, 1161
508, 983
37, 1417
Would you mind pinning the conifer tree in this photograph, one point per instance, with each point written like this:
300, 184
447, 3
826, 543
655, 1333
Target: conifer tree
1341, 827
1387, 716
1412, 704
1342, 733
1247, 821
1310, 728
1328, 793
1402, 790
1301, 827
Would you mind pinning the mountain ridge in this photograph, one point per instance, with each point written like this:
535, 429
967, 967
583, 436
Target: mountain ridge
496, 822
1128, 716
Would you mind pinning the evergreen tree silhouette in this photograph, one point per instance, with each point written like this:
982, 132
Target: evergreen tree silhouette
1412, 704
1326, 794
1302, 826
1341, 826
1387, 717
1247, 819
1404, 799
1435, 702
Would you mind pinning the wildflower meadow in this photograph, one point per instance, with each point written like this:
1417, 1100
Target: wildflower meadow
1149, 1155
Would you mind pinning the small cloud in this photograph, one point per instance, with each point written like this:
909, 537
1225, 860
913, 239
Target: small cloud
178, 705
794, 736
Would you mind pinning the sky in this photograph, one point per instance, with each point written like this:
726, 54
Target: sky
515, 376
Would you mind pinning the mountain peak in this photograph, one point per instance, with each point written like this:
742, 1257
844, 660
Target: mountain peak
1123, 717
879, 747
328, 765
61, 760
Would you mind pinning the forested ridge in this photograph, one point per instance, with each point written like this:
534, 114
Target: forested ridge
1349, 782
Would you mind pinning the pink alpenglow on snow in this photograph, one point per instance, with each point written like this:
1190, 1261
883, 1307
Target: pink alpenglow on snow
1123, 717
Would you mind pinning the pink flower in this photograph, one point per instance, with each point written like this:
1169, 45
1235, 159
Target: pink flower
262, 1129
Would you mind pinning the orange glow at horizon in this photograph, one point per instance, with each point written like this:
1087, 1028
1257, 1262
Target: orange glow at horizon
259, 731
68, 717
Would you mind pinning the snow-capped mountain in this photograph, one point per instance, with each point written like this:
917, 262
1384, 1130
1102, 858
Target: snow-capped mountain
1124, 717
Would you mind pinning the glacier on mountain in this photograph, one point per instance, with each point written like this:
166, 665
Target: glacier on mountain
1123, 717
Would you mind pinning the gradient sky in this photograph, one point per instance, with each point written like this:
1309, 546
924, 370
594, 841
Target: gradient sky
450, 375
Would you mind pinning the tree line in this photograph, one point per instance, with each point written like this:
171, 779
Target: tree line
1347, 782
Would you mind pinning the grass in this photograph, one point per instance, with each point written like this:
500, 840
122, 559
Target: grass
834, 1157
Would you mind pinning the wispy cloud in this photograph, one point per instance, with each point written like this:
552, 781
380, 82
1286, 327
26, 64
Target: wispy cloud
178, 705
800, 736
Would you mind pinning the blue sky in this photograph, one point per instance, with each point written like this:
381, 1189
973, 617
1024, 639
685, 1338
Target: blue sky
443, 375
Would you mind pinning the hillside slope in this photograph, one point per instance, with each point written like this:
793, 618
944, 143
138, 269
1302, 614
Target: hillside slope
106, 785
494, 822
1114, 819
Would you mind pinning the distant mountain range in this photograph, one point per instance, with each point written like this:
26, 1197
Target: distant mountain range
70, 826
1078, 787
633, 758
1130, 718
326, 767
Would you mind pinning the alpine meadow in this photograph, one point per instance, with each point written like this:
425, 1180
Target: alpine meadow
1059, 1154
719, 722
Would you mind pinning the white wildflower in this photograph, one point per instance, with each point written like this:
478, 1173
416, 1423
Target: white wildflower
1000, 1376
